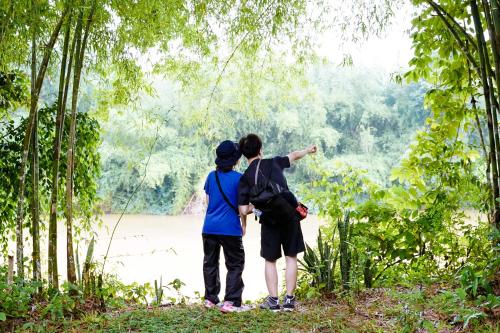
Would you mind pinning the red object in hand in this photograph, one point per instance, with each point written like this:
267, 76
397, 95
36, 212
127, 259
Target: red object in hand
302, 210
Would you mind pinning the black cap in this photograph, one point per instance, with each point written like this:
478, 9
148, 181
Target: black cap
228, 153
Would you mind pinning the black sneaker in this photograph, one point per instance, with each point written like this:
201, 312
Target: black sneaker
289, 303
271, 303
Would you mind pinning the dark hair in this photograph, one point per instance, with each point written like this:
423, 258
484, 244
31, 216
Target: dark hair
250, 145
225, 169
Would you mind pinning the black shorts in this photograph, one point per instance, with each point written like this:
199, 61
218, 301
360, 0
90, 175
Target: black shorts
273, 237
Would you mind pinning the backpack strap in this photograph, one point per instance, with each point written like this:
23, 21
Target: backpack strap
258, 169
224, 195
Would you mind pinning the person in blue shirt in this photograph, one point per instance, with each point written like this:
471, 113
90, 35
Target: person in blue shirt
223, 228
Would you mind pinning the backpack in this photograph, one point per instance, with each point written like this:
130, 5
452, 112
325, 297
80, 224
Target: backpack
272, 199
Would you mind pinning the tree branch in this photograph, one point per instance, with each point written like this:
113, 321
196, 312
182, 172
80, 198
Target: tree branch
455, 23
455, 34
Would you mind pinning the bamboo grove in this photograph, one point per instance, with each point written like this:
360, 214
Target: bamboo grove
455, 32
76, 23
77, 77
57, 46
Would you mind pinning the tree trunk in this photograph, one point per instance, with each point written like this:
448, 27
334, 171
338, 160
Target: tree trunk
10, 270
61, 109
368, 273
26, 143
489, 109
495, 13
495, 75
492, 31
486, 154
345, 256
81, 45
70, 263
35, 205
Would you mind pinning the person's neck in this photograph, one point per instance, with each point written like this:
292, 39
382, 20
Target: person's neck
253, 159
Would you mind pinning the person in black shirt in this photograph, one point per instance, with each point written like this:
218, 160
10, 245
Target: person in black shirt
274, 234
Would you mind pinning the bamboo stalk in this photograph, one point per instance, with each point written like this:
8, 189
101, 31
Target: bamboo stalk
61, 110
71, 274
496, 60
345, 257
26, 144
35, 205
495, 13
489, 110
80, 52
10, 270
485, 152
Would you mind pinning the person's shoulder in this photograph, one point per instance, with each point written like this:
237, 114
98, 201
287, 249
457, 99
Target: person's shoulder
234, 176
282, 161
209, 181
269, 160
235, 173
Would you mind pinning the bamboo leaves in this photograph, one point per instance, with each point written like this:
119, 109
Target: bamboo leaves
452, 52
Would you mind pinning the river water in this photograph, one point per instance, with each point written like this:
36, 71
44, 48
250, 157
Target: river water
147, 247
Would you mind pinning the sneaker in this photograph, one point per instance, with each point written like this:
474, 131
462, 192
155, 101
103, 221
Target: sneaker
228, 307
271, 303
289, 303
244, 308
209, 304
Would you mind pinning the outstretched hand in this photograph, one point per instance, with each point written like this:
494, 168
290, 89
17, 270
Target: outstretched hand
297, 155
312, 149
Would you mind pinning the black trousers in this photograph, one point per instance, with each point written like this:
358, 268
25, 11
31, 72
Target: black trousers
234, 255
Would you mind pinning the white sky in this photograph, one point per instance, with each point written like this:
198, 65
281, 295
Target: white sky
389, 52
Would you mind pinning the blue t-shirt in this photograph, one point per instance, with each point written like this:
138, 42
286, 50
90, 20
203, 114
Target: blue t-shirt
221, 219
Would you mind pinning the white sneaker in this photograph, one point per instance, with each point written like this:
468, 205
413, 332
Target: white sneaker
229, 307
244, 308
209, 304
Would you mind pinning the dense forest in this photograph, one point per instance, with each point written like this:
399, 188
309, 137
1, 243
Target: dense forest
117, 106
356, 116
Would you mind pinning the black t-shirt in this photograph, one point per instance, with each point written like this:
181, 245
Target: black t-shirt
247, 181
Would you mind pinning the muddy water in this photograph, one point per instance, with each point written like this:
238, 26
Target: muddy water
146, 247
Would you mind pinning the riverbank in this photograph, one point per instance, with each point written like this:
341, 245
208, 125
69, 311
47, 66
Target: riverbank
147, 247
424, 309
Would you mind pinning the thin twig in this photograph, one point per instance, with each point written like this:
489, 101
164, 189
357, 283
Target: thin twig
392, 264
226, 63
130, 198
219, 77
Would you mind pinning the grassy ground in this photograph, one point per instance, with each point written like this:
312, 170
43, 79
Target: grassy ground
376, 310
